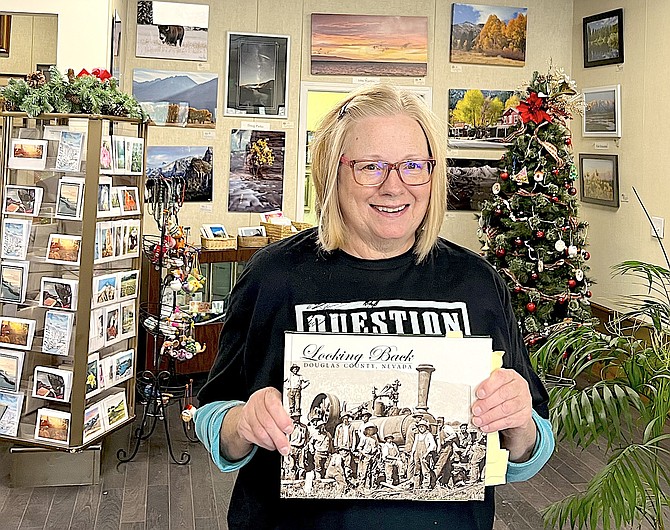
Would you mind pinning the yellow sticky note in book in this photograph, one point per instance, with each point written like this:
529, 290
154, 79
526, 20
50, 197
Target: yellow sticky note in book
496, 457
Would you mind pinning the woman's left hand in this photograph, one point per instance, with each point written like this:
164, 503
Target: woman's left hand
504, 404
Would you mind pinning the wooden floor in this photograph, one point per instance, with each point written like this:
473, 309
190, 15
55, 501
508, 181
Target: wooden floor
151, 492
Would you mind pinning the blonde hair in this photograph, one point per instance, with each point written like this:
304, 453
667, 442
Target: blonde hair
328, 146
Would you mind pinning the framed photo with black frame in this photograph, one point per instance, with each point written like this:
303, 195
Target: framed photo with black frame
603, 38
257, 75
599, 179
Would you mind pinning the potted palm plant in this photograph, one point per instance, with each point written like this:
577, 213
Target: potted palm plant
613, 388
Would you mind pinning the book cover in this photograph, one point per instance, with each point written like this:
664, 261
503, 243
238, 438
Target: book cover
384, 416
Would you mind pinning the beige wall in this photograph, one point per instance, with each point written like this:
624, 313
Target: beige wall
32, 41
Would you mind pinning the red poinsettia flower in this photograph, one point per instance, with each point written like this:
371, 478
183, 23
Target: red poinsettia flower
532, 109
101, 74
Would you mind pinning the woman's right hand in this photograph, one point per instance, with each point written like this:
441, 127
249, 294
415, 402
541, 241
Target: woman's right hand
261, 421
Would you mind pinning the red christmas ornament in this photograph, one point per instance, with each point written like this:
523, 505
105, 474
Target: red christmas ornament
531, 307
504, 175
518, 242
562, 300
534, 276
501, 252
539, 234
572, 190
555, 171
565, 355
532, 341
555, 198
588, 294
567, 185
498, 212
586, 255
517, 289
568, 141
572, 283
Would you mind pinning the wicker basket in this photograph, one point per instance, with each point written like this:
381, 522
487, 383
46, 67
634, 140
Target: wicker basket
276, 232
301, 226
251, 241
218, 243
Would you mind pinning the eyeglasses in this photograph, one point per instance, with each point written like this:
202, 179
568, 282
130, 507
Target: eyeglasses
375, 172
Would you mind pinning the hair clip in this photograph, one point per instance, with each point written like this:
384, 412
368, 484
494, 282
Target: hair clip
343, 110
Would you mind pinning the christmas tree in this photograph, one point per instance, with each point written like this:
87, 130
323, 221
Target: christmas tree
530, 230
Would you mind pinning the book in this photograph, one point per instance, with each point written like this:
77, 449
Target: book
10, 413
404, 402
57, 332
22, 200
69, 151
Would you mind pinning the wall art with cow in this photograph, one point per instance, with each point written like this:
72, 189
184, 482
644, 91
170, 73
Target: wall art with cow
171, 30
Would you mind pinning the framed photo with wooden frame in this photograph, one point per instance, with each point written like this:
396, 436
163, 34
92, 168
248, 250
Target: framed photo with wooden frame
603, 38
5, 34
602, 112
599, 179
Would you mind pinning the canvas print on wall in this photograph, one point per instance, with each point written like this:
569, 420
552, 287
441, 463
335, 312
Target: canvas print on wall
256, 170
481, 118
470, 182
372, 45
52, 426
257, 75
603, 38
602, 112
22, 200
493, 35
193, 164
198, 90
599, 179
172, 30
10, 413
57, 332
11, 367
27, 154
16, 333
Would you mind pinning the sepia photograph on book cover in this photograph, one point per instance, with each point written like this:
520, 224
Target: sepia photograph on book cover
384, 416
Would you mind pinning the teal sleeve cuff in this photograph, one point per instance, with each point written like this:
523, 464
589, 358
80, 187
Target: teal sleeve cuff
208, 420
544, 447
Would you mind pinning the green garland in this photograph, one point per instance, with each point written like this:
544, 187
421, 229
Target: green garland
85, 94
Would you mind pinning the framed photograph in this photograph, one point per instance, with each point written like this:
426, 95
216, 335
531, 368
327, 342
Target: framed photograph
11, 367
10, 413
27, 154
470, 182
257, 75
22, 200
58, 293
17, 333
69, 151
192, 164
14, 281
15, 238
603, 38
70, 198
474, 30
52, 426
52, 383
64, 249
5, 34
129, 200
57, 332
105, 196
602, 112
172, 30
128, 282
481, 119
369, 45
123, 366
93, 422
92, 378
116, 409
128, 320
106, 155
599, 179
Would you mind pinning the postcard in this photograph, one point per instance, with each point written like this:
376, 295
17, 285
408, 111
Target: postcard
52, 383
134, 155
13, 281
104, 242
22, 200
52, 426
112, 330
129, 201
104, 196
115, 205
213, 231
53, 132
11, 367
105, 289
70, 198
131, 238
124, 366
119, 161
128, 319
128, 284
58, 293
393, 388
106, 155
16, 332
93, 422
117, 234
15, 238
251, 231
92, 376
69, 151
96, 333
27, 154
116, 409
64, 248
267, 217
107, 371
57, 332
10, 413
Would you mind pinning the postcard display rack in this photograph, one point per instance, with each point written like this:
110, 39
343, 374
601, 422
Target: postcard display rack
71, 232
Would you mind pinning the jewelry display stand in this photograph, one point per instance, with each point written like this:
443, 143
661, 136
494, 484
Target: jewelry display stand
171, 328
